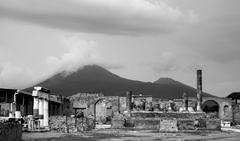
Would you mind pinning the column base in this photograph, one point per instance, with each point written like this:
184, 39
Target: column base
199, 109
47, 128
18, 114
11, 115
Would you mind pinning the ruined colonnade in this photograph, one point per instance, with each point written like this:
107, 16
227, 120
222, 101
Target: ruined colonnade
40, 105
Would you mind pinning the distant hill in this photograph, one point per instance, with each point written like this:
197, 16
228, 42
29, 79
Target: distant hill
95, 79
172, 86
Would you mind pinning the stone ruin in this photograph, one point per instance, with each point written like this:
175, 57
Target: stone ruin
142, 112
85, 111
146, 112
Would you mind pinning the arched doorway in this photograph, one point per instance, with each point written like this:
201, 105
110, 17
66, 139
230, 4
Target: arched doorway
100, 111
211, 107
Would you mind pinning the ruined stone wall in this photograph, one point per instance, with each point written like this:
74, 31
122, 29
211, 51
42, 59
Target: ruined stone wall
10, 131
70, 124
155, 104
5, 109
142, 102
168, 115
236, 113
225, 107
165, 121
85, 101
225, 110
123, 105
176, 104
167, 124
112, 105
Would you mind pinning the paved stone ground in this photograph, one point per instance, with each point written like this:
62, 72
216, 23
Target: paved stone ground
123, 135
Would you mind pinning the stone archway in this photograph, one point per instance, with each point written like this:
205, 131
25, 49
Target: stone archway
211, 107
224, 106
100, 111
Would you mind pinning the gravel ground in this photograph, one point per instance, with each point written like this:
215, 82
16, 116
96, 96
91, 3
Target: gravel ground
124, 135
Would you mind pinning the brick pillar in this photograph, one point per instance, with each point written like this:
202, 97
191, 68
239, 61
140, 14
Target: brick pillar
199, 90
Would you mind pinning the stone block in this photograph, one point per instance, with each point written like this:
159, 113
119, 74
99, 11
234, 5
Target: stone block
201, 123
185, 124
225, 124
118, 123
147, 124
213, 124
168, 125
129, 123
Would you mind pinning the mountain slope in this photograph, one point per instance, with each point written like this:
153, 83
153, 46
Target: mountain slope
174, 86
95, 79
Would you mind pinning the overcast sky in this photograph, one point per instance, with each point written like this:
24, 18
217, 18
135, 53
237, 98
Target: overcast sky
136, 39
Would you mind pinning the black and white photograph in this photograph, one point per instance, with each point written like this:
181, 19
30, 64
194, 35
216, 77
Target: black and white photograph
119, 70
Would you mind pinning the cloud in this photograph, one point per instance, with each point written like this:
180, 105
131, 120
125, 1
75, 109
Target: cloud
167, 62
15, 76
1, 69
124, 17
79, 53
215, 40
173, 62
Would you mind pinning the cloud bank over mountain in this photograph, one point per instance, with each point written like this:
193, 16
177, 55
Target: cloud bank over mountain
79, 53
119, 17
137, 39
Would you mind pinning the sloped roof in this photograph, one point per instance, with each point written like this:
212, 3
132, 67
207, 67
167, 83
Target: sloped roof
234, 95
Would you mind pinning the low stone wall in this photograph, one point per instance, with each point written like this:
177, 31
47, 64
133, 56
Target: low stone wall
167, 124
70, 124
146, 124
10, 132
176, 115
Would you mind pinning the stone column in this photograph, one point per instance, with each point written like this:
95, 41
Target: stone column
41, 112
170, 106
35, 109
45, 112
199, 90
156, 107
35, 103
129, 100
17, 104
11, 115
56, 109
41, 106
185, 102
